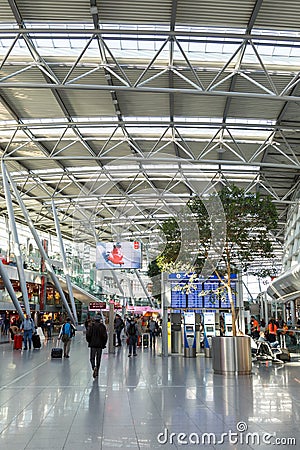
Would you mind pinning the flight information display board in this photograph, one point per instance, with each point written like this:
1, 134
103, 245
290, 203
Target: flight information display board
224, 298
207, 294
211, 294
178, 296
194, 297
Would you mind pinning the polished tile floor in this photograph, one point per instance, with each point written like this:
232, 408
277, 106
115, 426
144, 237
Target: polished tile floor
143, 402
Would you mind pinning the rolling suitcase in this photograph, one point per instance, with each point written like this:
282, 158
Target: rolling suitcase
36, 341
146, 340
18, 339
56, 352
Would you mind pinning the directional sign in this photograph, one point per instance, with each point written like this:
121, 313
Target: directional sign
97, 306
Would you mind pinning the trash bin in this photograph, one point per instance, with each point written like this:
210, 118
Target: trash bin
232, 355
243, 355
176, 341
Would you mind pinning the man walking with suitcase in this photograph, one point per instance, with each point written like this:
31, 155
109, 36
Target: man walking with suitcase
28, 326
66, 333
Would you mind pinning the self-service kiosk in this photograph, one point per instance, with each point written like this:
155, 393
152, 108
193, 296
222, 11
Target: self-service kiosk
228, 324
209, 322
189, 335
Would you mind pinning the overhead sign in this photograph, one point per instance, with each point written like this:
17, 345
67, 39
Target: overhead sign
97, 306
119, 255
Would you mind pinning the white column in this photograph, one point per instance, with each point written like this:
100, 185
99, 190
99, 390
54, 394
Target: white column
164, 308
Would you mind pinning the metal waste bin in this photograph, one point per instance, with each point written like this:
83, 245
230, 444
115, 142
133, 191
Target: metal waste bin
176, 341
176, 333
243, 355
232, 355
223, 354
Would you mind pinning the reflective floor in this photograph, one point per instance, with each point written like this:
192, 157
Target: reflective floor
143, 402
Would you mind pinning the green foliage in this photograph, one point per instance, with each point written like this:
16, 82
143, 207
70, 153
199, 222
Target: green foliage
250, 218
153, 269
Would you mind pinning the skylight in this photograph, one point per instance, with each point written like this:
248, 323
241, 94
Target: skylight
204, 43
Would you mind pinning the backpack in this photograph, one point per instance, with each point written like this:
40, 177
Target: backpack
132, 330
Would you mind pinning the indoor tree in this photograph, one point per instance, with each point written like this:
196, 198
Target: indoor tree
250, 220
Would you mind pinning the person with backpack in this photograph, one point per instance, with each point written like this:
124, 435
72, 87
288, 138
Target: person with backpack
96, 336
153, 330
66, 333
132, 333
118, 325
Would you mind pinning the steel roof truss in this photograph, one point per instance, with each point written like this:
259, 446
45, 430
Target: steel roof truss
137, 83
200, 85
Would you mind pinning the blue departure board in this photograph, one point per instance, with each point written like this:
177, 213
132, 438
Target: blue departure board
211, 297
225, 303
206, 294
178, 296
194, 297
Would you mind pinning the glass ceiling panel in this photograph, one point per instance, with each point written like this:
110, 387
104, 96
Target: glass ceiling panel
135, 46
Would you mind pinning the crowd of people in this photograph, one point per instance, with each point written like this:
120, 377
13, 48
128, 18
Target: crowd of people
270, 332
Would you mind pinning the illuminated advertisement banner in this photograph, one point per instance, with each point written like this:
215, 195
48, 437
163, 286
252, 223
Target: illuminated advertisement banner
119, 255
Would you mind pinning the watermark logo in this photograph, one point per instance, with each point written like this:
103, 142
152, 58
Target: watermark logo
239, 436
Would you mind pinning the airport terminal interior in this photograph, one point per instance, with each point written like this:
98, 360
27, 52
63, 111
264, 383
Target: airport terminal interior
128, 131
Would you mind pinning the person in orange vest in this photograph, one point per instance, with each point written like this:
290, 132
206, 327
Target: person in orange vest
255, 328
272, 331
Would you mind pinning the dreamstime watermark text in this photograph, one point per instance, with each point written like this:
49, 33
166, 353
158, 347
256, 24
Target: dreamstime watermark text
240, 436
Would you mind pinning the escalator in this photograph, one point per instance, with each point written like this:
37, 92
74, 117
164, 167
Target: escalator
79, 293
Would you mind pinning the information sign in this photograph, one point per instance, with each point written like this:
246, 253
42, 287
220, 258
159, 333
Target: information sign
97, 306
178, 296
195, 299
211, 294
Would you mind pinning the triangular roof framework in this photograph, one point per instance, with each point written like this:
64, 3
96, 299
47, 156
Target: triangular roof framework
111, 108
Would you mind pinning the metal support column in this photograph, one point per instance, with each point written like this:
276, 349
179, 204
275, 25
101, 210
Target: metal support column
164, 307
40, 247
293, 312
266, 315
111, 348
64, 261
117, 282
240, 305
131, 291
121, 290
144, 287
16, 244
10, 289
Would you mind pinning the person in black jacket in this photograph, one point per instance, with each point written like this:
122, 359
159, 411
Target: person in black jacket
96, 336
